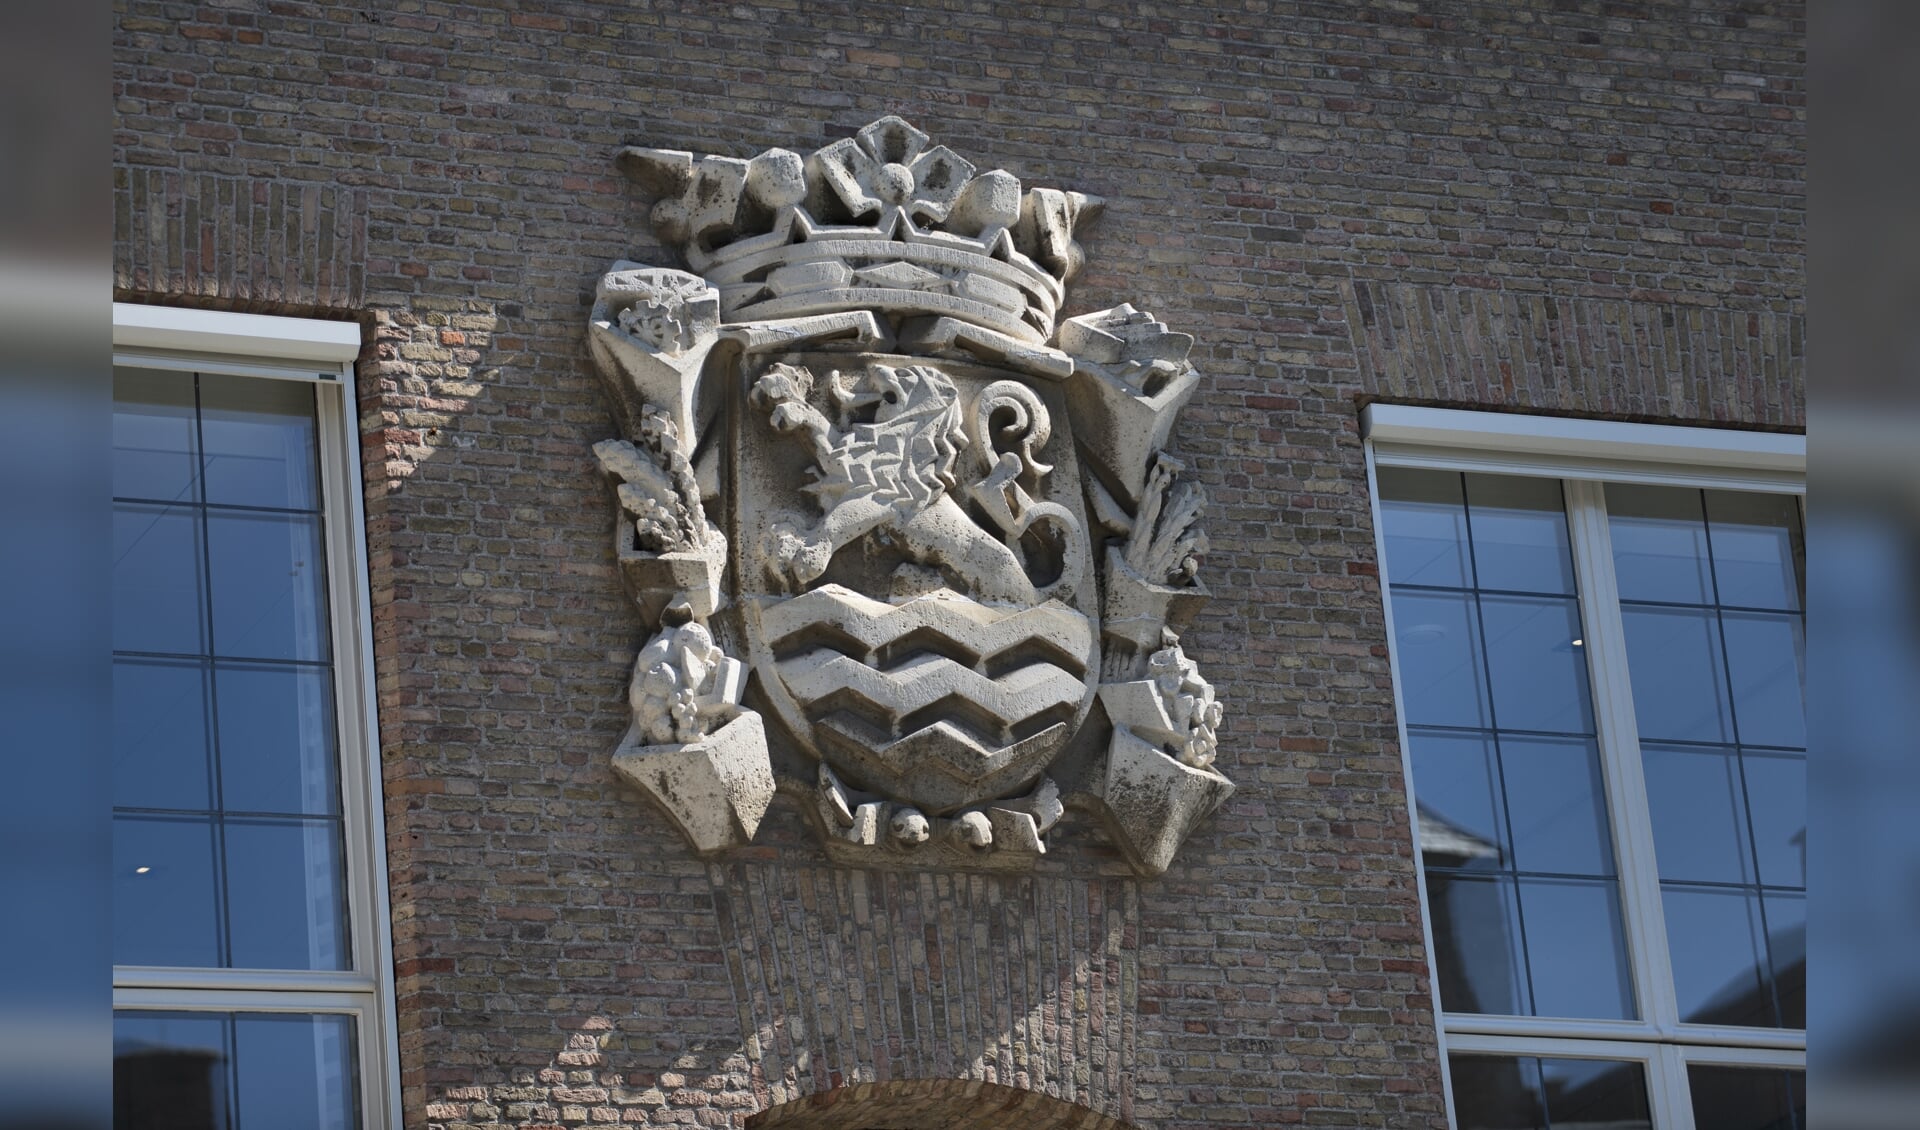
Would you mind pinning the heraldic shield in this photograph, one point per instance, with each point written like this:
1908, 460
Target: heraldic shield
909, 545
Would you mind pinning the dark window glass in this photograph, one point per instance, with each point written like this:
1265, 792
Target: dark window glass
1529, 1093
1757, 550
156, 442
1710, 592
1536, 664
1659, 544
227, 824
268, 582
261, 444
1747, 1098
234, 1071
287, 874
162, 736
166, 901
159, 579
1424, 519
1510, 800
1442, 673
1519, 534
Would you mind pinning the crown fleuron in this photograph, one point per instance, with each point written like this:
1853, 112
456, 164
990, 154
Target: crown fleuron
879, 221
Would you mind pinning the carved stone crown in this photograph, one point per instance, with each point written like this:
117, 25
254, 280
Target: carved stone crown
877, 221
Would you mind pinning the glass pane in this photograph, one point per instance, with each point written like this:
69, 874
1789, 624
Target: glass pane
261, 447
234, 1071
268, 585
276, 739
1787, 947
1424, 525
1477, 933
1777, 799
1719, 967
170, 1070
1764, 657
165, 911
296, 1072
1519, 534
155, 446
285, 887
1496, 1093
1595, 1094
1457, 783
1440, 681
1557, 804
157, 589
1746, 1098
1755, 548
1539, 677
161, 757
1699, 814
1674, 664
1576, 949
1659, 544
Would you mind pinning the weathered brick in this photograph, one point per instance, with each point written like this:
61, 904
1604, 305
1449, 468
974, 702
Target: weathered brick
1575, 207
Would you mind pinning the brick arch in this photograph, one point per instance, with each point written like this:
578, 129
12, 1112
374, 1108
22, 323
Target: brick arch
931, 1104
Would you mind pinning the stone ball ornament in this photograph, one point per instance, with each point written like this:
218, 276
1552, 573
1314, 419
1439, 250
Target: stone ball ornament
907, 544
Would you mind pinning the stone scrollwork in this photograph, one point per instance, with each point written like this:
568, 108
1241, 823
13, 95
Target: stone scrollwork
909, 547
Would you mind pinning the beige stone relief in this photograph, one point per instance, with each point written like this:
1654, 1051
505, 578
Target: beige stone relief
910, 546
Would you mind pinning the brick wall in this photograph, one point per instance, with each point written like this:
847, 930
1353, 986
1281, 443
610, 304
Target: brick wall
1579, 207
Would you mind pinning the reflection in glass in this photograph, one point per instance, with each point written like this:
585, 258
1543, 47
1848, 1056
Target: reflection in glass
1787, 953
157, 580
296, 1072
1718, 952
165, 903
284, 880
1424, 527
1576, 956
1777, 801
1539, 677
1747, 1098
1519, 534
1659, 544
241, 724
1699, 813
1439, 654
1524, 1093
1457, 781
1679, 682
235, 1071
268, 581
1756, 549
261, 443
176, 1063
276, 739
1512, 816
155, 440
1476, 933
1558, 805
1764, 658
161, 756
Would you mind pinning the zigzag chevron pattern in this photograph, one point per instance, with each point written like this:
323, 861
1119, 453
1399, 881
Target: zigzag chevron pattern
916, 685
968, 628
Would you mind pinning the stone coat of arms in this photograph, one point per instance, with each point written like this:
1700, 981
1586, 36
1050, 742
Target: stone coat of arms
909, 543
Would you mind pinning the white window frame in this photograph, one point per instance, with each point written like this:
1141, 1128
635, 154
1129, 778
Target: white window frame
1584, 455
319, 353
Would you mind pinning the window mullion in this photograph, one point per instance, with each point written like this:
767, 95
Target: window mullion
1626, 785
1668, 1089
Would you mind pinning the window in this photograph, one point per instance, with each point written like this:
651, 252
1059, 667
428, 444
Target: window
1598, 655
251, 945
